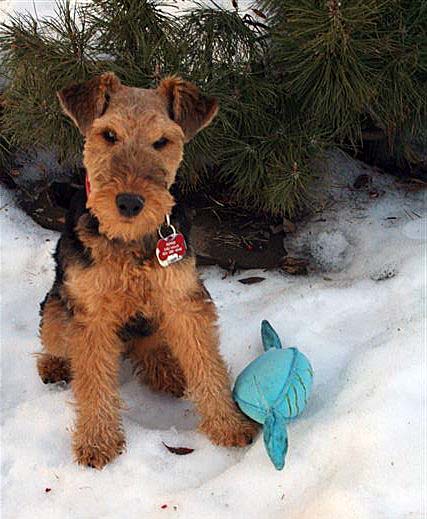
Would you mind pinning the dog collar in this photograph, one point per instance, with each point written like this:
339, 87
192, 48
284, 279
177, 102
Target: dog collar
87, 185
168, 225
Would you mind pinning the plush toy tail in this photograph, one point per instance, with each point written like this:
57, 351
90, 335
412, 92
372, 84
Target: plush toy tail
270, 339
276, 438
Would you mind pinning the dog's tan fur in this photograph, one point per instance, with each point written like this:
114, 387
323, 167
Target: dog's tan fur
81, 318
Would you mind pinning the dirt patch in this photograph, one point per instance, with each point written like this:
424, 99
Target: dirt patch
236, 239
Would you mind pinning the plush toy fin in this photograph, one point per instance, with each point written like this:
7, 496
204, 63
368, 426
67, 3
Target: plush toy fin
276, 438
270, 339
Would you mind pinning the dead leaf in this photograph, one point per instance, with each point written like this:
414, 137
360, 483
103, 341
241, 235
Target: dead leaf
362, 181
295, 266
374, 194
259, 13
251, 281
412, 184
289, 226
181, 451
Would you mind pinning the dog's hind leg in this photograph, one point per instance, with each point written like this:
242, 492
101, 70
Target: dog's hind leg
155, 365
52, 363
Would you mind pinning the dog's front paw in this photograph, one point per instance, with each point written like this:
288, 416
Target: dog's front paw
53, 369
98, 451
234, 430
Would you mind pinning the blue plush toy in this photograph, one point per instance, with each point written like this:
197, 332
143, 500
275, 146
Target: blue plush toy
274, 389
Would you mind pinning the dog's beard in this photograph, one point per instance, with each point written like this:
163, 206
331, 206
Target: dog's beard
158, 202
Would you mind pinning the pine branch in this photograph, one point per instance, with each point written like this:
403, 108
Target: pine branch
292, 79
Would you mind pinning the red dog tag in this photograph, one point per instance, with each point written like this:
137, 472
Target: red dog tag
171, 249
87, 185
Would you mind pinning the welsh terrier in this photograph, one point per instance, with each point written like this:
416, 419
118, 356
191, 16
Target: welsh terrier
119, 288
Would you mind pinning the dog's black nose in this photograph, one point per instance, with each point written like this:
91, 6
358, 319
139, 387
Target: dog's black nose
129, 205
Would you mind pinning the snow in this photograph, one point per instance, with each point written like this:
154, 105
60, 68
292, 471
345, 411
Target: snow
39, 8
358, 450
329, 250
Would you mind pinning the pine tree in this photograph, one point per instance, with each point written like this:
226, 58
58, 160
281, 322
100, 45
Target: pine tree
295, 77
353, 64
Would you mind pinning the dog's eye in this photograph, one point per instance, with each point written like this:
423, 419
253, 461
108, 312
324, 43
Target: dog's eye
161, 143
110, 136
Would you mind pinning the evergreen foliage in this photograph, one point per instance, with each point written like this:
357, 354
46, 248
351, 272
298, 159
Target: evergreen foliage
294, 76
349, 64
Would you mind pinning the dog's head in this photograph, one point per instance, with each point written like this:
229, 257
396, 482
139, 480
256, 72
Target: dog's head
134, 140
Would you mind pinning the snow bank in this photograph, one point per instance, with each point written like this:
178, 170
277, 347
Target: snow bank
357, 452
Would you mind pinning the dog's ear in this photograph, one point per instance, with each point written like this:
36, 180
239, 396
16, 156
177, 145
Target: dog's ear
84, 102
187, 106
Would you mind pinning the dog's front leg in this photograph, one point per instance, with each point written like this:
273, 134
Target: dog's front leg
95, 355
189, 326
